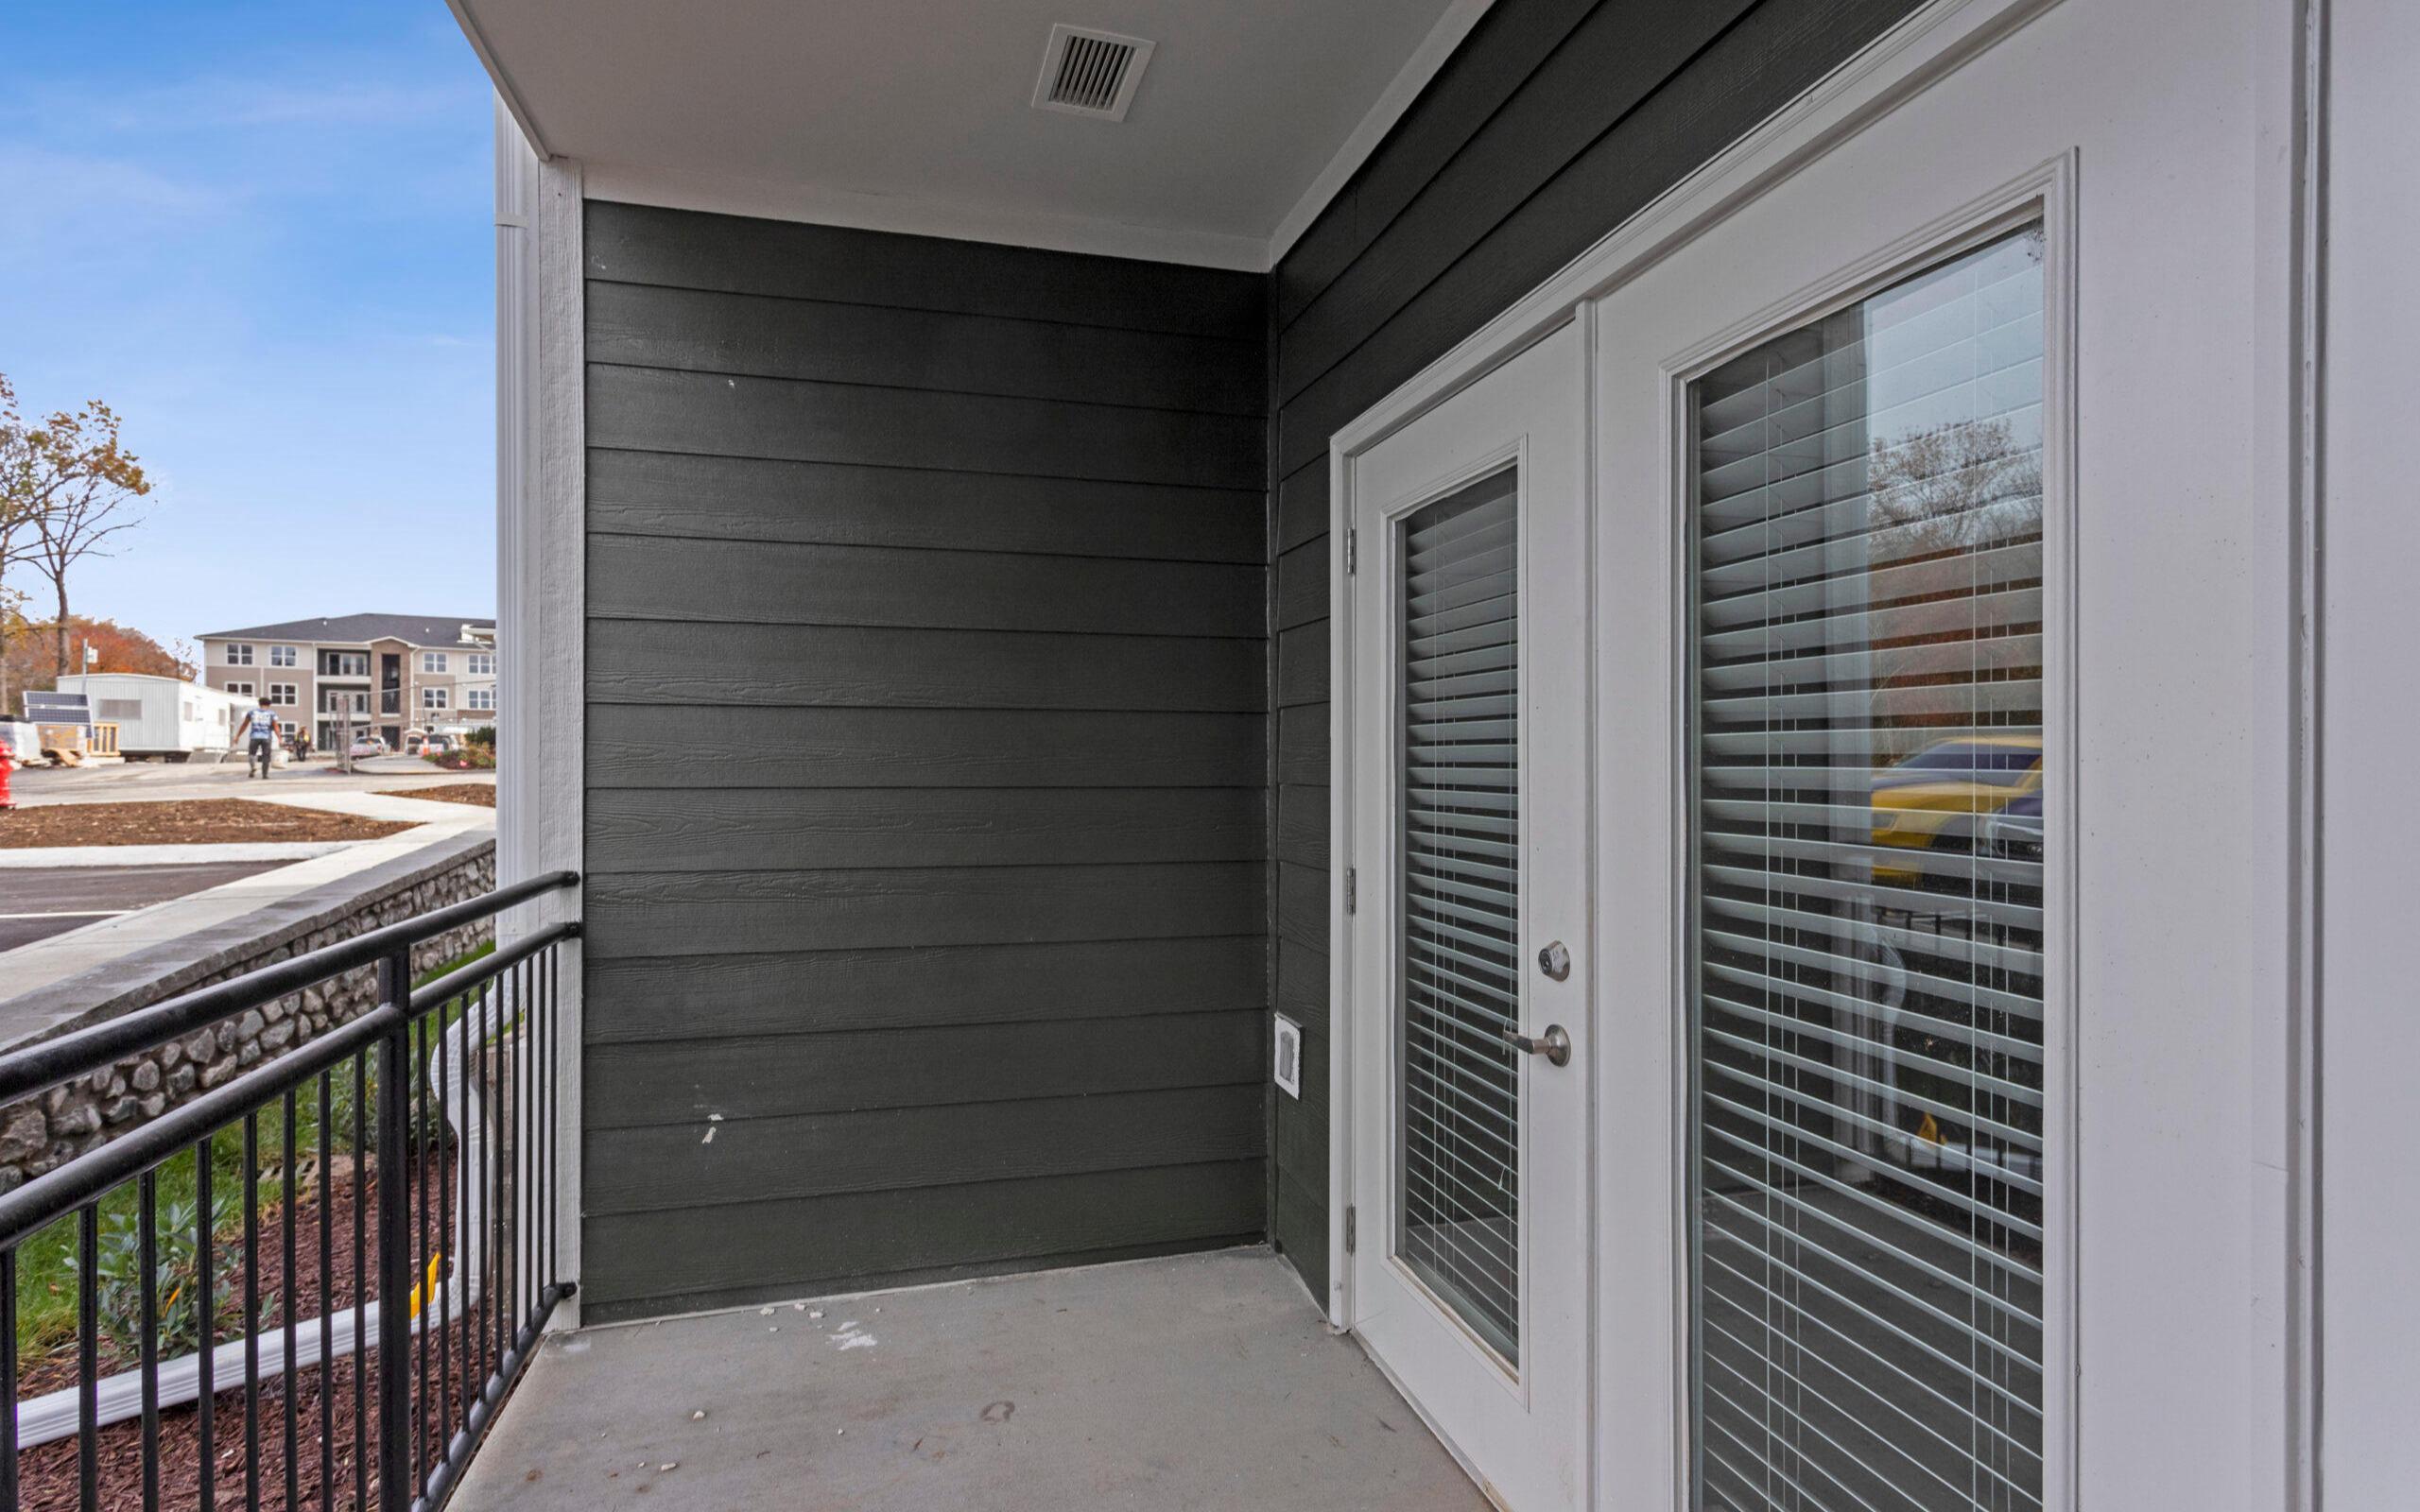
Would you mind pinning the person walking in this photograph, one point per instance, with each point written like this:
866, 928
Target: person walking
259, 729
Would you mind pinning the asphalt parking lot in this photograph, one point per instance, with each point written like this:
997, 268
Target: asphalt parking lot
38, 904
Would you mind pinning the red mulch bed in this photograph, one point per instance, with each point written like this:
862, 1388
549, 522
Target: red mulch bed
49, 1475
202, 821
478, 795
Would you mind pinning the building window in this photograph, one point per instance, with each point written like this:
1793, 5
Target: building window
284, 693
344, 664
432, 698
239, 655
478, 698
280, 656
336, 700
432, 660
481, 664
243, 688
287, 727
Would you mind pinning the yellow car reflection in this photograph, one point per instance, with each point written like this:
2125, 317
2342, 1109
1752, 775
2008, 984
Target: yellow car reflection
1934, 799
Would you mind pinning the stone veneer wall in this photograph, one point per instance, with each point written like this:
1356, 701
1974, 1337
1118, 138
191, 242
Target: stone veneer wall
44, 1131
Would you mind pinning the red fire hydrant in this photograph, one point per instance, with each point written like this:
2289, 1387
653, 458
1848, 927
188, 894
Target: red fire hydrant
7, 765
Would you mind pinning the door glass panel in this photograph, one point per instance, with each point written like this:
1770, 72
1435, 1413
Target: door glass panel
1459, 1204
1866, 1043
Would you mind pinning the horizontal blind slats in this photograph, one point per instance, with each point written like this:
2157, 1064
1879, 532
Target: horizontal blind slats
1458, 785
1869, 1153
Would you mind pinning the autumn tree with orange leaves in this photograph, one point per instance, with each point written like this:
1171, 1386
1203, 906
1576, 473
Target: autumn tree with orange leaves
67, 484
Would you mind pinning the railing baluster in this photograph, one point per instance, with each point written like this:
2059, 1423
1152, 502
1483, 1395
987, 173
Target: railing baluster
8, 1367
394, 1257
361, 1429
286, 1318
427, 1148
327, 1294
443, 1302
148, 1246
251, 1311
205, 1296
88, 1362
543, 1244
492, 1271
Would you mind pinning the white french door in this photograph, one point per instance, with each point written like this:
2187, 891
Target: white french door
1926, 580
1467, 949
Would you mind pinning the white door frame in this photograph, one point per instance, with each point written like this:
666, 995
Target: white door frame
2265, 1407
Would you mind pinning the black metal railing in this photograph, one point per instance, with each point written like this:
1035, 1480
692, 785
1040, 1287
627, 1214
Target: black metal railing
311, 1284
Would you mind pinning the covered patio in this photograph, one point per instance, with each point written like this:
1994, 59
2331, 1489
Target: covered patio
1194, 1381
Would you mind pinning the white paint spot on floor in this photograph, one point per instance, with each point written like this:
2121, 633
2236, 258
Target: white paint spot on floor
849, 1338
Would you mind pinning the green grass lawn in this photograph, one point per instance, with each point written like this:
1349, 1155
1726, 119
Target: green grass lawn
46, 1281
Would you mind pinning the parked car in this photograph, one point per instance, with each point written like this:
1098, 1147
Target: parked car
2014, 833
367, 746
1935, 799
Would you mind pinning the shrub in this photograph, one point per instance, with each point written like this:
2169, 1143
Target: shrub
118, 1248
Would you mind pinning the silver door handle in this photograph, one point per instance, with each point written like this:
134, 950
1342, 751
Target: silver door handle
1554, 1044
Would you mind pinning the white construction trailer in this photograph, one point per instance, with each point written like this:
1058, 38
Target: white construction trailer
157, 716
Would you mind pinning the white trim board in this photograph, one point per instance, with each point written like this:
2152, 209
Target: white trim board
507, 96
541, 590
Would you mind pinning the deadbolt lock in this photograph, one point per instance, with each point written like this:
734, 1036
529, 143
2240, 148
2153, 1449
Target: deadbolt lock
1555, 961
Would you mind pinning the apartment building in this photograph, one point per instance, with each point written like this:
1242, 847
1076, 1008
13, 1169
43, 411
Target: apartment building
397, 675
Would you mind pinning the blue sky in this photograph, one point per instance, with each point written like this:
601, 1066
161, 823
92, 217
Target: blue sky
264, 234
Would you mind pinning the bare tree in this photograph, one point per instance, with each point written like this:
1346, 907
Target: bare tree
22, 501
83, 482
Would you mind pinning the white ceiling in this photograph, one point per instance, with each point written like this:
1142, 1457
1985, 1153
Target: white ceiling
917, 114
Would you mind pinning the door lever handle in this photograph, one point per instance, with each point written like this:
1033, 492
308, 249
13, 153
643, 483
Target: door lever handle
1554, 1044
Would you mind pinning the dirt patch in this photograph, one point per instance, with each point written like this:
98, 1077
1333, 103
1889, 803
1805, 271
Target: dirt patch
206, 822
478, 795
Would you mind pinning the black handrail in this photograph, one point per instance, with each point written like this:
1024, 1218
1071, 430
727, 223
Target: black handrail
465, 1246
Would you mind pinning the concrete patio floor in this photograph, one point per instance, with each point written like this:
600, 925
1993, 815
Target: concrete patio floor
1197, 1382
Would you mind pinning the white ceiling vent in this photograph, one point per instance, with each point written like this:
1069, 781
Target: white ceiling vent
1090, 73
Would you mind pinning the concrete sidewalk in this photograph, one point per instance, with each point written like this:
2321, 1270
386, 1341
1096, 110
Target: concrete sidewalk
53, 982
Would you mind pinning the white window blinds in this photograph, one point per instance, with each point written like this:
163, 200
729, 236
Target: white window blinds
1459, 1202
1866, 1035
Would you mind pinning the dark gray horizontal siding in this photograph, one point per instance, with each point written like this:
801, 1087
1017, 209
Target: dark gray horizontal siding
809, 1155
702, 746
658, 998
692, 1083
634, 325
654, 577
647, 661
655, 409
928, 750
678, 248
762, 499
1554, 122
655, 912
852, 1241
744, 829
